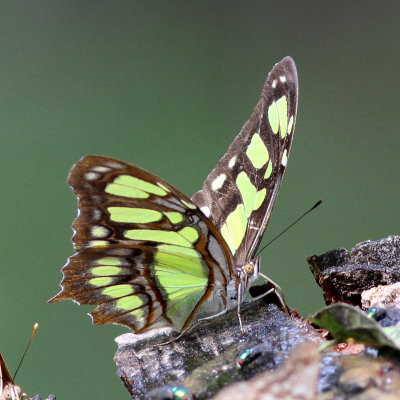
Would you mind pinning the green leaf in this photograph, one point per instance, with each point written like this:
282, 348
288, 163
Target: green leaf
346, 323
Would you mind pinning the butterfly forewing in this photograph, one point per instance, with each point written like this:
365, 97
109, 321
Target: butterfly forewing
145, 253
238, 195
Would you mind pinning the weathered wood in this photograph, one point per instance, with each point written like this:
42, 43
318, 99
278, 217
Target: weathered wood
204, 359
344, 275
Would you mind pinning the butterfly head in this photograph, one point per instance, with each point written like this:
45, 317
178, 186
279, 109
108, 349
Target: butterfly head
250, 268
247, 274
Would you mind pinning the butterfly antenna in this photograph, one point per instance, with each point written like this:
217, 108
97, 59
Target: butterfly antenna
35, 327
287, 228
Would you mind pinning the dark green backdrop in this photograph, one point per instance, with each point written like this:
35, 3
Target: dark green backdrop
166, 86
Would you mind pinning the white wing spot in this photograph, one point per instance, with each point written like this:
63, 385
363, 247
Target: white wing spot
274, 84
206, 211
290, 125
232, 162
218, 182
91, 176
284, 158
96, 243
99, 231
100, 168
282, 78
114, 165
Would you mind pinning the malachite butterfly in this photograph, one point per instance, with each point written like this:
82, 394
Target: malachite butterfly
148, 256
8, 389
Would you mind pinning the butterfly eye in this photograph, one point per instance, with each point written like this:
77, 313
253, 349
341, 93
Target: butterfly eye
248, 268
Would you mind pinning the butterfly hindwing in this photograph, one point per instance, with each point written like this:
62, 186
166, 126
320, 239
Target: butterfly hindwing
238, 195
146, 255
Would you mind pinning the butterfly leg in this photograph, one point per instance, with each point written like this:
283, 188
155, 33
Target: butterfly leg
239, 302
244, 332
192, 326
278, 291
172, 340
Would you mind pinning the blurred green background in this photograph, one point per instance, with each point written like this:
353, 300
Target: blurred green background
166, 86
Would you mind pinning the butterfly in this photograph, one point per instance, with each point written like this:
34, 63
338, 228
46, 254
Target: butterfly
148, 256
8, 389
